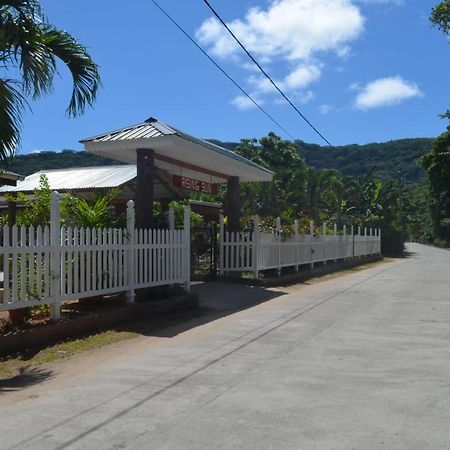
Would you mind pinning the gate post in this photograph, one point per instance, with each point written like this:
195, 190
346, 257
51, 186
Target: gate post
311, 234
279, 244
55, 257
187, 243
130, 252
255, 246
297, 244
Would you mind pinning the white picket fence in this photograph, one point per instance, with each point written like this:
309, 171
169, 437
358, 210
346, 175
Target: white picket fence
256, 251
54, 264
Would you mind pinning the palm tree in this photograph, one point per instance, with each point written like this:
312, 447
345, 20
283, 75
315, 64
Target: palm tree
318, 184
29, 50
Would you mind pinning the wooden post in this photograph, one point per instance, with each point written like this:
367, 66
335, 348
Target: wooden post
144, 188
324, 240
131, 229
279, 244
311, 234
255, 246
55, 257
233, 206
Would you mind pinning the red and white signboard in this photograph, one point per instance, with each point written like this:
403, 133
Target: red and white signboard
189, 184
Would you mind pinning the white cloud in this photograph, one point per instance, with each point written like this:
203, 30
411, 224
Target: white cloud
386, 92
294, 33
244, 103
292, 29
302, 76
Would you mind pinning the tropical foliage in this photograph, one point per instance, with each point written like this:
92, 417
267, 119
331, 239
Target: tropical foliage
299, 191
440, 17
30, 48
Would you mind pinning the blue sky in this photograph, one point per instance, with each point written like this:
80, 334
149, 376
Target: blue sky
361, 70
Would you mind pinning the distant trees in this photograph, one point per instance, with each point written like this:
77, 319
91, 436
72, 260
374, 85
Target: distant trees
30, 47
437, 165
318, 195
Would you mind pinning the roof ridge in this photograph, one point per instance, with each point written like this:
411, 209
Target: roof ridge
83, 167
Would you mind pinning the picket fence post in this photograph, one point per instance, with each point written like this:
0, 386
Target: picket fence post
171, 219
221, 244
344, 240
55, 257
296, 244
279, 244
255, 246
130, 252
187, 243
335, 243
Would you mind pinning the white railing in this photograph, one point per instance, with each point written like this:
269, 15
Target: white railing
54, 264
256, 251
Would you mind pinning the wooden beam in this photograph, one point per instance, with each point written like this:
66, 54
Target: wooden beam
233, 204
144, 188
185, 165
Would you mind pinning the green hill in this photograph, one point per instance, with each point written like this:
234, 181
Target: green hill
391, 159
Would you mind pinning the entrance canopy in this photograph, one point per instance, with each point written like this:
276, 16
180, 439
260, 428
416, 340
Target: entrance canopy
177, 153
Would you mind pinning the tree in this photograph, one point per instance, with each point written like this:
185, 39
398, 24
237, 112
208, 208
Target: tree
437, 165
30, 48
440, 17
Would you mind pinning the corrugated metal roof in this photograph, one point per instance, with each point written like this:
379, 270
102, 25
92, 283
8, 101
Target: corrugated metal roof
77, 179
152, 128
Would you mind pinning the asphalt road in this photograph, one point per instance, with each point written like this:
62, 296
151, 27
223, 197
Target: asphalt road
361, 361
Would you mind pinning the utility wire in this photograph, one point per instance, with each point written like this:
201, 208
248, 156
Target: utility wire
221, 69
266, 74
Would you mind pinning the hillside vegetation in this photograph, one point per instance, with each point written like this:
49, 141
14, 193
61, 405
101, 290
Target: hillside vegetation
391, 159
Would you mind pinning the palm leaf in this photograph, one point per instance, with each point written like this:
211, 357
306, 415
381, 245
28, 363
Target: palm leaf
12, 104
86, 79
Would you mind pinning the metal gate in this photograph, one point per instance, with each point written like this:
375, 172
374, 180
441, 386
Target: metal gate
204, 251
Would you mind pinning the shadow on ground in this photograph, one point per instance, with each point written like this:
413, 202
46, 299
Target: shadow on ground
27, 376
216, 300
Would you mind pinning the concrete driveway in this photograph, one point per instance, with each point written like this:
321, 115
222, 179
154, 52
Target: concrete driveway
357, 362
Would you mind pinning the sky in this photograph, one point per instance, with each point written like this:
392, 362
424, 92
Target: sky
361, 70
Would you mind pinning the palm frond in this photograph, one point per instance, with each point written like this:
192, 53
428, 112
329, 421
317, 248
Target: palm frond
12, 104
21, 41
86, 79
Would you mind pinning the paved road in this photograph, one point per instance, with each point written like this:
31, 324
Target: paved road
356, 362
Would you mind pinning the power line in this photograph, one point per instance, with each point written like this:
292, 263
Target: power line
266, 74
221, 69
